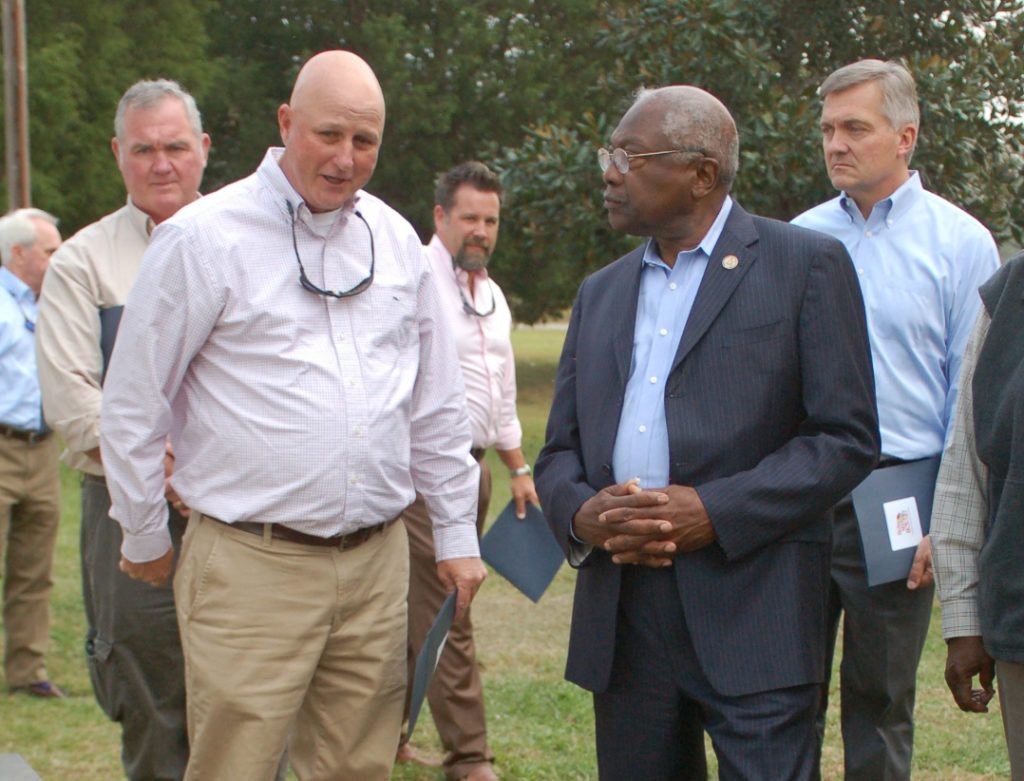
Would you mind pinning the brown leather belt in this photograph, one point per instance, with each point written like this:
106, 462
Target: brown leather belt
25, 436
279, 532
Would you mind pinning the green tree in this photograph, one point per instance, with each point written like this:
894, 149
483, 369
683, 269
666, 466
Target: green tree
82, 56
459, 78
765, 60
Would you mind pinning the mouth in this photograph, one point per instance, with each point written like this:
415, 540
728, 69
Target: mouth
335, 181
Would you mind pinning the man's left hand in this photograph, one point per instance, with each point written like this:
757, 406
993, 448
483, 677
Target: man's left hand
155, 572
463, 576
523, 492
691, 529
921, 573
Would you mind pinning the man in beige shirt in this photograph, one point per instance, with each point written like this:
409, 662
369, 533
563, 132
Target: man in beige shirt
132, 644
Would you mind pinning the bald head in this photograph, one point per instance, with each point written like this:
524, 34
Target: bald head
332, 128
691, 117
332, 73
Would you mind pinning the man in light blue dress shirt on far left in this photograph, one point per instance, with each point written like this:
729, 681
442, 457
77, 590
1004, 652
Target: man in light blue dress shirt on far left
920, 261
29, 476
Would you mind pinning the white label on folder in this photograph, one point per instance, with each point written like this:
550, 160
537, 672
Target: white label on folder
904, 523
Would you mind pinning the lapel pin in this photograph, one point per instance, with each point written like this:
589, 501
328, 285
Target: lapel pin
730, 262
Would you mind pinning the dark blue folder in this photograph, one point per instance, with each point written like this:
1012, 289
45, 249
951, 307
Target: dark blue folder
524, 552
426, 660
913, 478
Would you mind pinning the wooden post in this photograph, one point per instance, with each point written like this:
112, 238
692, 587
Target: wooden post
19, 185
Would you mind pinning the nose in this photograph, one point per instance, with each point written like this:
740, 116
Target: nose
161, 161
835, 142
343, 156
611, 175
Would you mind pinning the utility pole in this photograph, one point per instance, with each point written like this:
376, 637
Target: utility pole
19, 186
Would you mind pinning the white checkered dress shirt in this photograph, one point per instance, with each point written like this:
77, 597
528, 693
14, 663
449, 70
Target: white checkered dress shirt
285, 406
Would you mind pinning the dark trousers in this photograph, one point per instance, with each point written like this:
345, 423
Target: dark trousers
132, 646
884, 629
650, 722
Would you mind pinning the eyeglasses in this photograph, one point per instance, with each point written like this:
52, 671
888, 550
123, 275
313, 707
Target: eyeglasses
469, 309
305, 281
620, 157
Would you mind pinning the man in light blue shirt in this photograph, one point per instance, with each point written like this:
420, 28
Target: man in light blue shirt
29, 478
920, 260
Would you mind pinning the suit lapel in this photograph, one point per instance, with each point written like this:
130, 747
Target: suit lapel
738, 241
625, 294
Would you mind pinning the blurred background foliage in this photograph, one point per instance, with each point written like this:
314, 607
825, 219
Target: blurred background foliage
532, 87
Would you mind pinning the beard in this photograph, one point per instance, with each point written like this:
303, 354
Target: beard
475, 262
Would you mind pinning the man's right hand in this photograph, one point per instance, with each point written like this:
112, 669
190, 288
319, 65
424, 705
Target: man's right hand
965, 658
155, 572
588, 526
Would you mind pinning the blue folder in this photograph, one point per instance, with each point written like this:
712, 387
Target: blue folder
913, 478
524, 552
426, 660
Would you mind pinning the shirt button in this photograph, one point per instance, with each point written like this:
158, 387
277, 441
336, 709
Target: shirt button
868, 234
653, 380
672, 285
341, 337
642, 429
355, 481
663, 332
352, 383
358, 431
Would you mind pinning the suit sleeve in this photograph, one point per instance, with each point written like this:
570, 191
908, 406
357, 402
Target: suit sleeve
835, 445
560, 474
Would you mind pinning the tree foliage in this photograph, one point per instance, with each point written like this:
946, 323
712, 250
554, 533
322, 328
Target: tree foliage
533, 87
764, 61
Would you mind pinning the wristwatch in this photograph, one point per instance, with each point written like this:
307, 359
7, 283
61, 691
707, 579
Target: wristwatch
520, 471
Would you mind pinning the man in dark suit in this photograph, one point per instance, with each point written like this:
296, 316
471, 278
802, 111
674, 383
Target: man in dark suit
714, 399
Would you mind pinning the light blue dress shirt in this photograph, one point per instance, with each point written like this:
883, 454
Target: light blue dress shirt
663, 307
920, 261
19, 389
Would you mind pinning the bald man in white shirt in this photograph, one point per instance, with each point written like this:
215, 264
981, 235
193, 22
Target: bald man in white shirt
284, 333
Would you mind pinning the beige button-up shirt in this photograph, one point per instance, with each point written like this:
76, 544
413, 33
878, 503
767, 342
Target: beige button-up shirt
92, 271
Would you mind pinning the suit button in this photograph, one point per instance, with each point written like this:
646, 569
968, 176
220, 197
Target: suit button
606, 468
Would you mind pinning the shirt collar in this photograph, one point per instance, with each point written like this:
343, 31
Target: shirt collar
707, 244
270, 171
141, 221
15, 286
892, 208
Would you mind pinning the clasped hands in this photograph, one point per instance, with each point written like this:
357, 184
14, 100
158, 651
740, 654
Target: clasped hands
644, 526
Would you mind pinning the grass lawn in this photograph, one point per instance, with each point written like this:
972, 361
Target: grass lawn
540, 726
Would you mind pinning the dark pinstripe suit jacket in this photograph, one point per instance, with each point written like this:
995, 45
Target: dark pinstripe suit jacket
771, 416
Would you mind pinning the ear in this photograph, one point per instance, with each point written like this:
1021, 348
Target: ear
116, 150
284, 121
439, 216
907, 137
205, 143
706, 179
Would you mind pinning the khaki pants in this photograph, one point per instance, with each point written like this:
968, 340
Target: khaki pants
284, 639
455, 694
29, 516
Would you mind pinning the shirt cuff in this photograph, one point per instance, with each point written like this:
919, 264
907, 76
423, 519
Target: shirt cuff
960, 618
140, 548
579, 551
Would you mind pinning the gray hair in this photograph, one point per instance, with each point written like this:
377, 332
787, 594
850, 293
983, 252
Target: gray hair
146, 94
693, 122
899, 91
17, 230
